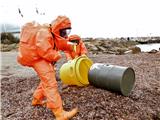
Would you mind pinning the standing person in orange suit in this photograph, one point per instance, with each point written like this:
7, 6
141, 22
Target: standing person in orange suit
38, 48
79, 48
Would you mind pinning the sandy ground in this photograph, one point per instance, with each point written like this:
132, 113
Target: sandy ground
18, 84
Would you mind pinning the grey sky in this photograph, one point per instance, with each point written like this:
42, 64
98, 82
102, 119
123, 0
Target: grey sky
90, 18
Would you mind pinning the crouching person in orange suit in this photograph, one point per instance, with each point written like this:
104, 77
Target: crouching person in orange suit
38, 48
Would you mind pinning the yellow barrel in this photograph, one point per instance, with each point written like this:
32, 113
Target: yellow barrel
76, 71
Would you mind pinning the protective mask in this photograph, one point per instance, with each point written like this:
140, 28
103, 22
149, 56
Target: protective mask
68, 31
65, 32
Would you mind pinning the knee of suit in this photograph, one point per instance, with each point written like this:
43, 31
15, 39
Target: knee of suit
38, 95
48, 78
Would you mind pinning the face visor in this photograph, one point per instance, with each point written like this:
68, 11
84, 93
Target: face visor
75, 41
65, 32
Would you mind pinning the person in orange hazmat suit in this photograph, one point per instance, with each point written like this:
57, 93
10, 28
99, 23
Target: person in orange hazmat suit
38, 48
79, 48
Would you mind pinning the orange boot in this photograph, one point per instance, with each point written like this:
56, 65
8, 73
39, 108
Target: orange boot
64, 115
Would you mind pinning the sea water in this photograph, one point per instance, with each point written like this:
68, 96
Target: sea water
149, 47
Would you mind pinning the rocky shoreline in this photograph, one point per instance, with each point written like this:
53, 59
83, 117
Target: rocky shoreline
116, 46
18, 84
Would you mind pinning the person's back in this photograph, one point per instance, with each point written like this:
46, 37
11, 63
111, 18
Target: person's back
35, 40
27, 45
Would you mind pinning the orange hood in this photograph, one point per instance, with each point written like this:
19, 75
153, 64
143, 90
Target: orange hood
61, 22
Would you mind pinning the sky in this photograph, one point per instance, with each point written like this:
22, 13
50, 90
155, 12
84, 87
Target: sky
90, 18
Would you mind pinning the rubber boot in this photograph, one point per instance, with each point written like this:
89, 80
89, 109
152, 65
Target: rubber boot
64, 115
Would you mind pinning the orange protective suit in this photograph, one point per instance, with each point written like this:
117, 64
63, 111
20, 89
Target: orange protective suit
80, 48
38, 48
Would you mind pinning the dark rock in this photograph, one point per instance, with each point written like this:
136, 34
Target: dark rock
135, 49
153, 51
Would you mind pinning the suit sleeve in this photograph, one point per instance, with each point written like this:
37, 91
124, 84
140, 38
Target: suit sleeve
45, 48
83, 48
68, 55
63, 45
